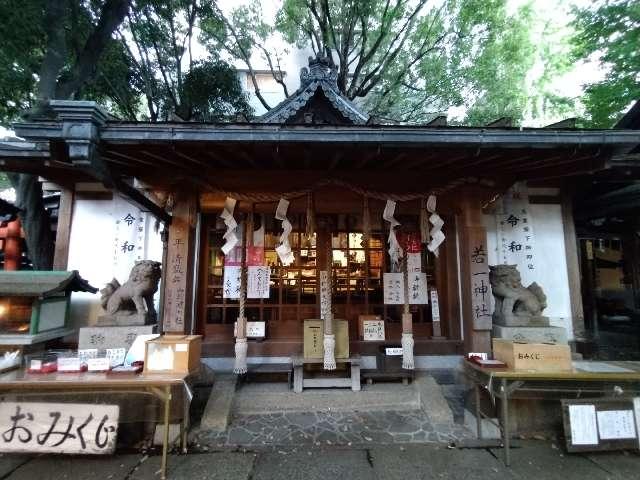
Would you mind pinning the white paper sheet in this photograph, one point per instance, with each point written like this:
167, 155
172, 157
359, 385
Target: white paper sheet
258, 282
373, 330
414, 262
418, 292
137, 349
582, 419
231, 282
393, 288
435, 307
616, 424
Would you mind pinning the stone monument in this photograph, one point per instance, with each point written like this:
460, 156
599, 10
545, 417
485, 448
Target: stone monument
518, 310
132, 302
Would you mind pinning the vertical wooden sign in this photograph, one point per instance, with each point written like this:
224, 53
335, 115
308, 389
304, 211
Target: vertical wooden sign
178, 278
474, 270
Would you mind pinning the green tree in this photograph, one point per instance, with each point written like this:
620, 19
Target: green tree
58, 63
402, 60
56, 49
159, 39
609, 31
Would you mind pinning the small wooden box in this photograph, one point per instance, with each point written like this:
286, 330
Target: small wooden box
314, 338
173, 354
538, 357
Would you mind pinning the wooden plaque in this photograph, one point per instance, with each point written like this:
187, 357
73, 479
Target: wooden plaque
35, 427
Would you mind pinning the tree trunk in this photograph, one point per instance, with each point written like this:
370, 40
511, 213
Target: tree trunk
35, 220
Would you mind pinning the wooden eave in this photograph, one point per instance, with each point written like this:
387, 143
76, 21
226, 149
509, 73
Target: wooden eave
212, 157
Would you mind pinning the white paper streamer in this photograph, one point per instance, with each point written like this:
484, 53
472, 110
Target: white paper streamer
395, 251
437, 237
230, 237
284, 249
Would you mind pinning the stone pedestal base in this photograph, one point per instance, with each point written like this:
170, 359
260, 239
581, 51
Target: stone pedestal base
123, 319
520, 320
555, 335
111, 337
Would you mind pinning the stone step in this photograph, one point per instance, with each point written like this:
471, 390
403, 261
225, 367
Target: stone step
263, 398
432, 400
217, 413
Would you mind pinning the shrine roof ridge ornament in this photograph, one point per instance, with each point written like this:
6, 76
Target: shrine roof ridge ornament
323, 76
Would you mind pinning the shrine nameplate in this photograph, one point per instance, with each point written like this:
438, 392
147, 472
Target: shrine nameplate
31, 427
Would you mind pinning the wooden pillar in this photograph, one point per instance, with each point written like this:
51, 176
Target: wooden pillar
63, 231
573, 267
178, 278
474, 275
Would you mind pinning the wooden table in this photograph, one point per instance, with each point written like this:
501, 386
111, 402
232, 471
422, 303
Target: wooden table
299, 382
19, 382
508, 384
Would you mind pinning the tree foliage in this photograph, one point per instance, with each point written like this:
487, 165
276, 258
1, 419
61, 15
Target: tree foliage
159, 39
115, 52
610, 32
403, 60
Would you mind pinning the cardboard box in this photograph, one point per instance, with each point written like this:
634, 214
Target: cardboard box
538, 357
314, 338
173, 354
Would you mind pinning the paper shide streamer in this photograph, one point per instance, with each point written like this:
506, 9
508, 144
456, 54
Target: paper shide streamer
437, 237
284, 249
230, 236
395, 250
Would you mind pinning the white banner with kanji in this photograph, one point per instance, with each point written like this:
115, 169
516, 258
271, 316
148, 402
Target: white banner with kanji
516, 244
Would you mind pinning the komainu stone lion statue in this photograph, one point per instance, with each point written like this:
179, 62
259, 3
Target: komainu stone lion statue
515, 305
132, 302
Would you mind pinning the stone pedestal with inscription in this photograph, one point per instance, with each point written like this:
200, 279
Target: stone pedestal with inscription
111, 337
123, 319
529, 334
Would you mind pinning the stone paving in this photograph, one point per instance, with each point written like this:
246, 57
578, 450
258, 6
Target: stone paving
331, 428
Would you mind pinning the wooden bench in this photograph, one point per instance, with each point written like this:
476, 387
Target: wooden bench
405, 375
269, 369
327, 381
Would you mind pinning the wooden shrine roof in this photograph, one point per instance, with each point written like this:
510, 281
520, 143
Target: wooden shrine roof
27, 283
263, 157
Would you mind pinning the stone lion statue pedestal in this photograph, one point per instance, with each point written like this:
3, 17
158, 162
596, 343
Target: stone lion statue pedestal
518, 310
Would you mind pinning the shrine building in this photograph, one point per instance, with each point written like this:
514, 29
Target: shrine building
361, 195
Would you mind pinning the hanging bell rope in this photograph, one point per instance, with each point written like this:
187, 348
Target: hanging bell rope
407, 321
424, 221
366, 222
311, 220
240, 365
329, 340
